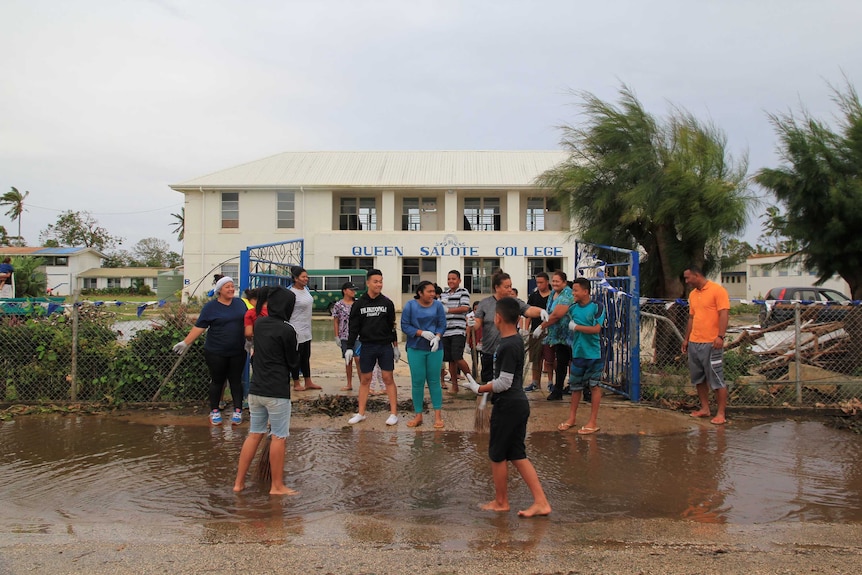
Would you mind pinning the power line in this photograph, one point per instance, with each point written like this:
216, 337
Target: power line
109, 213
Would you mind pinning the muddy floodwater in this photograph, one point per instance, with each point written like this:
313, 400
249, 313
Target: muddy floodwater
108, 477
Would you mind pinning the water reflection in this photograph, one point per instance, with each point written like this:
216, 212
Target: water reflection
60, 473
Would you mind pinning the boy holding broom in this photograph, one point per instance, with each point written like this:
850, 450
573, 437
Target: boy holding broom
275, 354
510, 414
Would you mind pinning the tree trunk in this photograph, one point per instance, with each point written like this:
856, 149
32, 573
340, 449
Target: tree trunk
671, 285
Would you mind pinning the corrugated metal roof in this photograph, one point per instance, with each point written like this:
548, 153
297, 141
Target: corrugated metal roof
122, 272
491, 169
41, 251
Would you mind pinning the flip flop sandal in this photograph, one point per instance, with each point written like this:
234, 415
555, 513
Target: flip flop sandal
588, 430
565, 426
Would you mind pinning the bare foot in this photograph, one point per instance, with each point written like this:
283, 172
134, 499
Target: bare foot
454, 388
237, 487
347, 388
718, 420
535, 510
415, 422
282, 490
700, 413
494, 506
298, 388
312, 386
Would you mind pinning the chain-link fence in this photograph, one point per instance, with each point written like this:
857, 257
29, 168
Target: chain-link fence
792, 354
788, 355
99, 353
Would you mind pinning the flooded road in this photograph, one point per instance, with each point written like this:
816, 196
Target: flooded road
108, 477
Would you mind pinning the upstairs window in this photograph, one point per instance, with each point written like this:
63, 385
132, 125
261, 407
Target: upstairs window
482, 214
285, 209
410, 215
229, 210
357, 214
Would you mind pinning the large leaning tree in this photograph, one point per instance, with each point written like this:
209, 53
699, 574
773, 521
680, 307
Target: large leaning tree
667, 187
820, 185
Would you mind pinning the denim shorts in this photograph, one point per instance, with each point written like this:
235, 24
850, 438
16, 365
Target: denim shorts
272, 410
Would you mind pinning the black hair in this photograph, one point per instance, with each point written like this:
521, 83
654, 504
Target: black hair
421, 287
216, 278
509, 310
499, 278
562, 275
252, 293
695, 270
374, 272
584, 283
542, 275
296, 271
456, 272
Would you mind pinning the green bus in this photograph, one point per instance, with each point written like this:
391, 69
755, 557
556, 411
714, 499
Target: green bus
325, 285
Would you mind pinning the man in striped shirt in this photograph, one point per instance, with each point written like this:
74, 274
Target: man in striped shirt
456, 300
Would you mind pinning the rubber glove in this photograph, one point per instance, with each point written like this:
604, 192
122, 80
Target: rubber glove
435, 343
537, 333
348, 355
428, 335
523, 332
472, 384
471, 320
544, 314
249, 345
396, 353
338, 342
180, 347
572, 325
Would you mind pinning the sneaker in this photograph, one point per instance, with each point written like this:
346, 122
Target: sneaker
356, 419
532, 387
215, 417
551, 388
236, 418
392, 419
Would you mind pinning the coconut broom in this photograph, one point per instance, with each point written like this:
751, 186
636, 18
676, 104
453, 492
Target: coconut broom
264, 466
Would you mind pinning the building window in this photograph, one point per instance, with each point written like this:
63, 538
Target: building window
415, 270
547, 265
537, 208
230, 270
113, 283
755, 271
477, 274
357, 214
229, 210
482, 214
285, 208
56, 261
783, 272
355, 263
155, 285
410, 215
90, 283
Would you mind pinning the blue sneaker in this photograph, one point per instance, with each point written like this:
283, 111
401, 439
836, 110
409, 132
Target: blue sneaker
236, 418
215, 417
532, 387
551, 388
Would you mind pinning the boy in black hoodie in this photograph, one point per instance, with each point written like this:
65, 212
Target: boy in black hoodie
372, 320
275, 354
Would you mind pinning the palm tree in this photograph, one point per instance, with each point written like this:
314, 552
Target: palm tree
15, 200
668, 187
179, 224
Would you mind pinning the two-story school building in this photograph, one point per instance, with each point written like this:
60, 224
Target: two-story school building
413, 215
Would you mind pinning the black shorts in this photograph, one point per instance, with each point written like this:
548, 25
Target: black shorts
487, 373
453, 347
508, 431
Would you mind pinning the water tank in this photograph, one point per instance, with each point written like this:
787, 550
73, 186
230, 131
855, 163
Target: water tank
170, 285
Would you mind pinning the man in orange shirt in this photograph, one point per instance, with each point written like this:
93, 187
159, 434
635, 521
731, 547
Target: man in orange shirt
708, 306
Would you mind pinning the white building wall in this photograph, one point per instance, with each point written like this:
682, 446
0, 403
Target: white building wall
760, 279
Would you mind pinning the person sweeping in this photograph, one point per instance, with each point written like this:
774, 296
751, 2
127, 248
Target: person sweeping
276, 353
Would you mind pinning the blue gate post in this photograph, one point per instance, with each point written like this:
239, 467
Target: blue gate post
635, 328
244, 269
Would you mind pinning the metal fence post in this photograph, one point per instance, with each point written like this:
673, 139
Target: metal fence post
797, 338
74, 364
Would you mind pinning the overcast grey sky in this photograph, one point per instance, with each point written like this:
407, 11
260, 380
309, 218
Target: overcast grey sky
104, 103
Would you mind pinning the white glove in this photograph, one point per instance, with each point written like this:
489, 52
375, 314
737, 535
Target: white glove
544, 314
249, 345
471, 383
523, 332
428, 335
572, 325
348, 355
338, 342
537, 333
471, 320
396, 353
180, 347
435, 343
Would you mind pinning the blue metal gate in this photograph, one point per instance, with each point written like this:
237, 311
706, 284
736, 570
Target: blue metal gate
269, 264
616, 285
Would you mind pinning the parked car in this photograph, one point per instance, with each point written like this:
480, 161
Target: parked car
835, 308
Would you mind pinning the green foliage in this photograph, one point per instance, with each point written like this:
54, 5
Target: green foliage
668, 187
15, 200
29, 281
79, 229
819, 184
745, 309
737, 362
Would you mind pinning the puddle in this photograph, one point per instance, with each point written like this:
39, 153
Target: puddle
62, 475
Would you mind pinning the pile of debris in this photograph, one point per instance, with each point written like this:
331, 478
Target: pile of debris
338, 405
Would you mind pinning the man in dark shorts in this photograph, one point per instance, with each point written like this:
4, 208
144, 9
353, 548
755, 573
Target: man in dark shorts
510, 414
456, 300
372, 320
